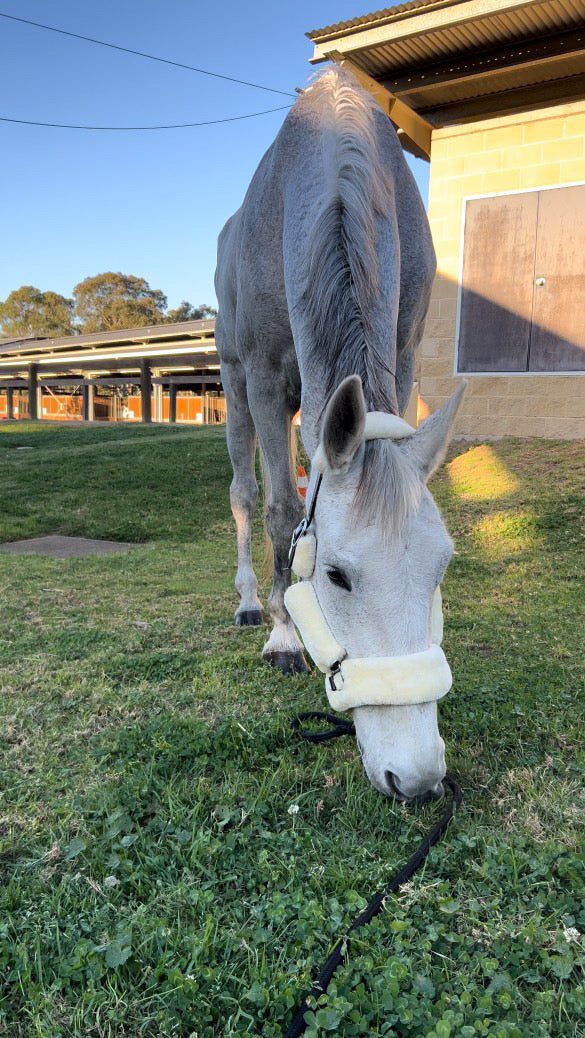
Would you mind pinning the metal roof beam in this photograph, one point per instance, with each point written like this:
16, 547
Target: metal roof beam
414, 131
475, 67
534, 96
114, 356
75, 383
188, 380
73, 367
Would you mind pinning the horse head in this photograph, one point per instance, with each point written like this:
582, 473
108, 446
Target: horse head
372, 552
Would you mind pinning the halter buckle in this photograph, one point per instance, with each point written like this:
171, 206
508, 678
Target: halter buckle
298, 532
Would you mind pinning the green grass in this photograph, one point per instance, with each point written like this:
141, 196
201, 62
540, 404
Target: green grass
153, 880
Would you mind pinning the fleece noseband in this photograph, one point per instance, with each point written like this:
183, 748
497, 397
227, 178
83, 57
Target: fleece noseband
419, 677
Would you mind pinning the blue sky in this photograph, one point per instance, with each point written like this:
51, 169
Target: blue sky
151, 204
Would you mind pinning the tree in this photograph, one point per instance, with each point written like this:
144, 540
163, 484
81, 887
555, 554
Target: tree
187, 312
28, 311
110, 300
106, 301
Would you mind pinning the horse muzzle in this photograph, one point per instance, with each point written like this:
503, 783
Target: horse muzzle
402, 751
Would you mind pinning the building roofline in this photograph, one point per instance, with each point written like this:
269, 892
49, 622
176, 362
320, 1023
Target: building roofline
149, 333
375, 19
453, 61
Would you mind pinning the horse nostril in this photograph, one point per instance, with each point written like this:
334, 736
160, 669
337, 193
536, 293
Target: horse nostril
420, 795
392, 784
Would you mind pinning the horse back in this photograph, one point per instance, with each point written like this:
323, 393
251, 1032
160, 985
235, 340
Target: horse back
267, 248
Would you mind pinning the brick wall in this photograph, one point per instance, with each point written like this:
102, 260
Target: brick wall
532, 150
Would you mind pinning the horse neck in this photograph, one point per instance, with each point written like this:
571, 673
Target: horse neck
342, 256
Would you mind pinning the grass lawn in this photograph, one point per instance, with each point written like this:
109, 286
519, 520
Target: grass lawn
154, 881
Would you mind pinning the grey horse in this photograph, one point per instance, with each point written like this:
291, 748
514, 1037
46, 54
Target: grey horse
325, 273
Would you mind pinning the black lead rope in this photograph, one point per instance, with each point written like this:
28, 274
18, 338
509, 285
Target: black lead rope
341, 727
338, 726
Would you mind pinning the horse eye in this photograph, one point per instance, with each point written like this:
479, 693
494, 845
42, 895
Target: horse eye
339, 579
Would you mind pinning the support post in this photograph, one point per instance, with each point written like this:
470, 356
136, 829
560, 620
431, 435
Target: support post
173, 402
87, 406
145, 390
33, 399
10, 402
157, 392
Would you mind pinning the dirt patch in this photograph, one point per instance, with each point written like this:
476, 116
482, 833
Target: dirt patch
55, 546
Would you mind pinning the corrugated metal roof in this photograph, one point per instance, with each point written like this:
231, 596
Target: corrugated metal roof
458, 51
118, 337
377, 17
535, 16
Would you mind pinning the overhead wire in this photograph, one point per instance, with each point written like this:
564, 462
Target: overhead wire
144, 54
150, 57
168, 126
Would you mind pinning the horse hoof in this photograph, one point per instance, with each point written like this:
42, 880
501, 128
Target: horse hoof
286, 661
249, 618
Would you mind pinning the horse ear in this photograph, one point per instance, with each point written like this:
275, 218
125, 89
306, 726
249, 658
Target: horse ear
343, 425
429, 444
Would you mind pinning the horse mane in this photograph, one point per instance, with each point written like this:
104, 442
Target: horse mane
389, 488
343, 280
343, 276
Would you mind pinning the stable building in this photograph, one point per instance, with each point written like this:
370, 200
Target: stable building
492, 92
162, 373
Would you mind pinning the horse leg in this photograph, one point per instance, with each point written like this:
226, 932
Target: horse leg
284, 510
404, 378
241, 441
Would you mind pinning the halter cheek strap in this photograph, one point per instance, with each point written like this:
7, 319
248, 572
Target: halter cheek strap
419, 677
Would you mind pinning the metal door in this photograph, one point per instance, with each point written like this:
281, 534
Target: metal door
557, 342
497, 283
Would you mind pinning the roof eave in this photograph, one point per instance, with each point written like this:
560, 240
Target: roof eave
446, 14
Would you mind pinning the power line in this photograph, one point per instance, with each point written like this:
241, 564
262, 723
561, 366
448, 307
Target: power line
169, 126
143, 54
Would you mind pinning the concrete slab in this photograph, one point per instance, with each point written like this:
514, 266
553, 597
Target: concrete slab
57, 547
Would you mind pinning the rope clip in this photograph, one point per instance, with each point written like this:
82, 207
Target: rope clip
333, 674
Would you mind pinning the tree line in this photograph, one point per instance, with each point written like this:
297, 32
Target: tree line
99, 304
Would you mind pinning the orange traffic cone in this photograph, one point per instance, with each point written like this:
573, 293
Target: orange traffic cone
302, 481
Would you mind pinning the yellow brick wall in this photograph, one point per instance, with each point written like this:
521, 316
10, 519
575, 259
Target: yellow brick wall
532, 150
